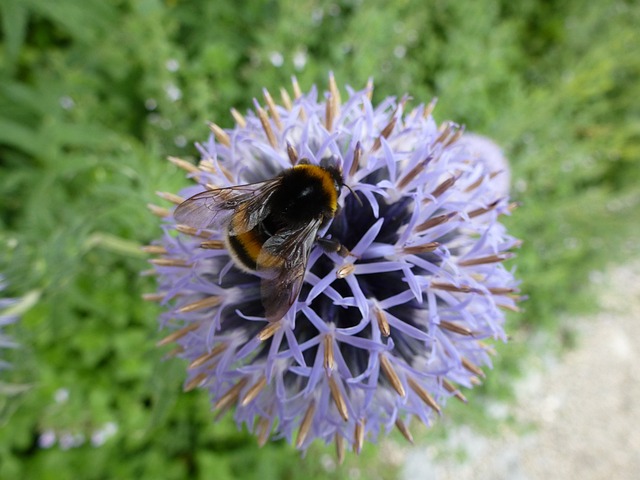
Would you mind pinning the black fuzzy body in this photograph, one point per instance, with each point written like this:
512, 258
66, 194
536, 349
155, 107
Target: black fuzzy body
304, 194
301, 198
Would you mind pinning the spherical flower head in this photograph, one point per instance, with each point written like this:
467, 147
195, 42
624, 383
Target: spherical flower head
386, 332
483, 149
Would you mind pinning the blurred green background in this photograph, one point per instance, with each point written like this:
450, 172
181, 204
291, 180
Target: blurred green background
95, 94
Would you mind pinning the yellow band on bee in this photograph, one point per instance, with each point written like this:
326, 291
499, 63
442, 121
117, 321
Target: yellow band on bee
246, 248
250, 243
325, 177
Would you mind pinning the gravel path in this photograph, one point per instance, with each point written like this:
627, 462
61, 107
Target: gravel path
585, 410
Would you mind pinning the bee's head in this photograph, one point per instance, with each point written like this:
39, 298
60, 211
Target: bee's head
334, 168
336, 175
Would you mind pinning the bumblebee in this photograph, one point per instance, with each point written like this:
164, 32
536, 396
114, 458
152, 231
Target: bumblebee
271, 226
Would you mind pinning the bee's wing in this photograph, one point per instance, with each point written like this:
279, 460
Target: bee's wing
213, 208
282, 263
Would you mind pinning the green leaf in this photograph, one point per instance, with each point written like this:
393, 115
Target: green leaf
20, 136
83, 20
14, 22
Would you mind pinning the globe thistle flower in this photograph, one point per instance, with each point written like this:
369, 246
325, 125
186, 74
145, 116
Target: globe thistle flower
485, 150
386, 333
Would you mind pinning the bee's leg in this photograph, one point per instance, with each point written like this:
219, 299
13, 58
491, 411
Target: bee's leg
331, 245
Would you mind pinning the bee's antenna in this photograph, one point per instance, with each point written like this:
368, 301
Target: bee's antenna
354, 194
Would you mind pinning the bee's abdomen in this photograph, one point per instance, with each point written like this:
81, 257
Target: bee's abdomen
245, 248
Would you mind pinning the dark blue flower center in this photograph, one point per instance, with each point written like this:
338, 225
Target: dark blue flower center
348, 227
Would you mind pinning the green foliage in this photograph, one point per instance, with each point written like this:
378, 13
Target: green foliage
94, 94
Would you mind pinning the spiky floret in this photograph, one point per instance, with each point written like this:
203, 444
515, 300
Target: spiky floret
385, 334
